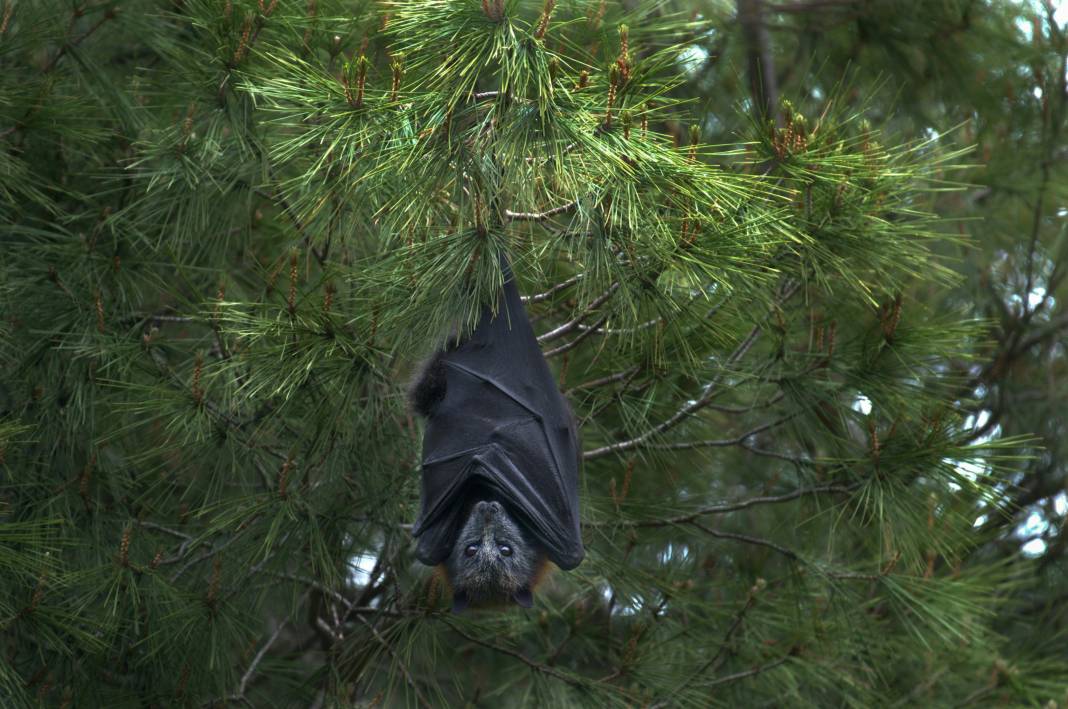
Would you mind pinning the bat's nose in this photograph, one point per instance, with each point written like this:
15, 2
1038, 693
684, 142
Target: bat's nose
488, 510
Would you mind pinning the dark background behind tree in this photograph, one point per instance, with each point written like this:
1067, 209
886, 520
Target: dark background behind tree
799, 266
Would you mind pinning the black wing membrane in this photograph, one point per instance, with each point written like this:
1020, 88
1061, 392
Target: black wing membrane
500, 423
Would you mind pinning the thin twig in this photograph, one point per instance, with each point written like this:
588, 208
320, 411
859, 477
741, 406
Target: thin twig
403, 667
350, 607
562, 285
748, 539
540, 216
539, 667
573, 324
239, 695
335, 636
652, 322
166, 530
734, 506
578, 340
713, 664
796, 460
622, 330
618, 395
726, 679
751, 407
603, 381
723, 442
747, 673
206, 555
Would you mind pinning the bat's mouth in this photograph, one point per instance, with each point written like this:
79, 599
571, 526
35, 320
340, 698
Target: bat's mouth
492, 582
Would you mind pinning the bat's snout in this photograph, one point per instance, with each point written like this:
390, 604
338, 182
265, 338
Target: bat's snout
488, 510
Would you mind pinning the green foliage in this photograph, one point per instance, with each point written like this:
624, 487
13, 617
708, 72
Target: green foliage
233, 229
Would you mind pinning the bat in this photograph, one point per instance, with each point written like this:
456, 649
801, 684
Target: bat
500, 463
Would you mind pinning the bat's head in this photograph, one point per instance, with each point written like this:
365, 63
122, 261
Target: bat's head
492, 560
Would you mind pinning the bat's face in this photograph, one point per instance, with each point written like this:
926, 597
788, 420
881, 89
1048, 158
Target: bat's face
491, 559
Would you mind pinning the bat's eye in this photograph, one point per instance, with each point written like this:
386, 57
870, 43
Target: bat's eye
470, 550
506, 550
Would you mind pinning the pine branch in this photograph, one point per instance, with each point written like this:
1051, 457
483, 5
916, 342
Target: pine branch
747, 673
546, 295
209, 553
689, 409
725, 442
713, 664
71, 43
653, 322
242, 687
732, 678
735, 506
796, 460
573, 324
403, 667
165, 530
604, 381
575, 342
749, 539
536, 666
750, 408
139, 197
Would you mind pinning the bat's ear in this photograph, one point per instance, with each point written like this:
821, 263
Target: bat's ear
523, 597
459, 601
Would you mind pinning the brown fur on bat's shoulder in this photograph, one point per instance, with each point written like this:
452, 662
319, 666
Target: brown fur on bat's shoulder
542, 571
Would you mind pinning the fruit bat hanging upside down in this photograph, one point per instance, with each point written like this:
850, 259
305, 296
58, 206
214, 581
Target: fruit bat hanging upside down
501, 459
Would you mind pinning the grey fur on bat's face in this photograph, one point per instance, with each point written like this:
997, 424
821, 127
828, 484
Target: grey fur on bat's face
491, 560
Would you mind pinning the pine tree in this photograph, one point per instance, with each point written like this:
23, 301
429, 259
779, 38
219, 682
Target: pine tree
234, 228
988, 78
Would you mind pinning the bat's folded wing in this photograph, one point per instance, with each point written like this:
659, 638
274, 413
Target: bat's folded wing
543, 501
